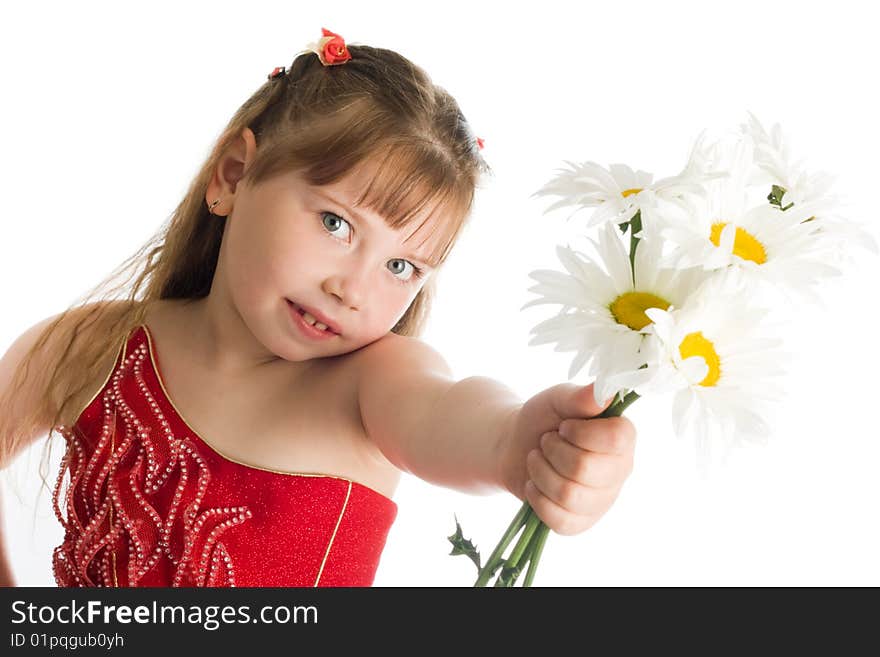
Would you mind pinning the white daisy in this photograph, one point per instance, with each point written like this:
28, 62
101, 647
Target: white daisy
761, 242
774, 166
713, 356
618, 192
603, 316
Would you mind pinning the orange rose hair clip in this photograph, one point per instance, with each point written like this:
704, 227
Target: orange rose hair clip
330, 48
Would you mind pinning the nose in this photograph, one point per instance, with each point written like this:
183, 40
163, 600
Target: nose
349, 287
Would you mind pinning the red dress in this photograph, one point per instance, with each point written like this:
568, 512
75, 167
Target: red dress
148, 502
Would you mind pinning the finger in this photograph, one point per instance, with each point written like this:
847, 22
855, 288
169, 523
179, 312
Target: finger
554, 516
572, 496
611, 435
578, 401
584, 467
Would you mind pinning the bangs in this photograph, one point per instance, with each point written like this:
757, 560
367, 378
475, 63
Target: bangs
410, 186
410, 180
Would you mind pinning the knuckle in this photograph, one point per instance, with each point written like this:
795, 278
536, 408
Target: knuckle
583, 469
568, 495
622, 435
565, 428
615, 439
570, 526
564, 529
629, 431
559, 525
532, 463
537, 500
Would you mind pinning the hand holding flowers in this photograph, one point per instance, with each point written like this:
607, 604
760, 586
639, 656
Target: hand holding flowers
687, 310
575, 461
565, 461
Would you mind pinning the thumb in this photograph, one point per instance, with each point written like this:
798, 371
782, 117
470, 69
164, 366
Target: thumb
578, 401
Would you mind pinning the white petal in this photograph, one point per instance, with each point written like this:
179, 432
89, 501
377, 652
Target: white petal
728, 236
682, 411
694, 369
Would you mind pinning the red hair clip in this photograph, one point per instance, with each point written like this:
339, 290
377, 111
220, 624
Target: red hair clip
480, 142
330, 48
277, 72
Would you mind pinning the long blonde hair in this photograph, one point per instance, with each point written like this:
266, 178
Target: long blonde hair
321, 120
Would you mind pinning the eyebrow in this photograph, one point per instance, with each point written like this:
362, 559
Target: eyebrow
363, 220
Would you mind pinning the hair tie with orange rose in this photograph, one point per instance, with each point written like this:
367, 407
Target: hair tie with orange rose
330, 48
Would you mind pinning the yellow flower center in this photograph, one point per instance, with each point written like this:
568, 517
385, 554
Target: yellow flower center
744, 244
695, 344
629, 308
630, 192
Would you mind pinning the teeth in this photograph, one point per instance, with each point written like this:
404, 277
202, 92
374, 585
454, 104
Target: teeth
314, 322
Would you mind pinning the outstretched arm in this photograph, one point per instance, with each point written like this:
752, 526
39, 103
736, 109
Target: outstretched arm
475, 435
426, 423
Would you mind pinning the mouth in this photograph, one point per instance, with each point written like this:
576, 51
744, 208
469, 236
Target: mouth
313, 321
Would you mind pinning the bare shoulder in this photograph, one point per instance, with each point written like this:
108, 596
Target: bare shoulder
65, 321
400, 356
21, 396
399, 381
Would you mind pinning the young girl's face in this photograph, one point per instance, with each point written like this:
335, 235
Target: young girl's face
290, 245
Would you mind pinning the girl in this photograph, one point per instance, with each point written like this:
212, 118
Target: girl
242, 416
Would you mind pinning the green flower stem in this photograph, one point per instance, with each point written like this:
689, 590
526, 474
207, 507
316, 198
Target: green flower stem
531, 543
617, 408
532, 523
536, 548
515, 560
495, 558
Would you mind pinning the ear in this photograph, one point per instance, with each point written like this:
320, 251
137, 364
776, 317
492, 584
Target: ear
236, 159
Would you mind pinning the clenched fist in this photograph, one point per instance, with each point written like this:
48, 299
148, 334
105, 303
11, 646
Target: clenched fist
567, 463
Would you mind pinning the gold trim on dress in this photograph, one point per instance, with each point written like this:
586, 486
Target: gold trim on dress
124, 350
109, 483
330, 544
113, 367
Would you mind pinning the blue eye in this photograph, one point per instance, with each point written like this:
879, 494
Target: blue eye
398, 266
333, 223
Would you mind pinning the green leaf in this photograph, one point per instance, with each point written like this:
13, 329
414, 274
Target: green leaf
775, 197
635, 227
461, 545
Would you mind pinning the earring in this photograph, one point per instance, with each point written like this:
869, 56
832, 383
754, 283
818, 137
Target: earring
212, 206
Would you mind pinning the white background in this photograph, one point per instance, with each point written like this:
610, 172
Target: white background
108, 111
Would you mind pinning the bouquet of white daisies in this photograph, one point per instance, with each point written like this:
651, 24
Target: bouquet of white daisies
678, 292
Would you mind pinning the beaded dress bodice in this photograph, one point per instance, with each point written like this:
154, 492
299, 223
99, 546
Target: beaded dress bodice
147, 502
